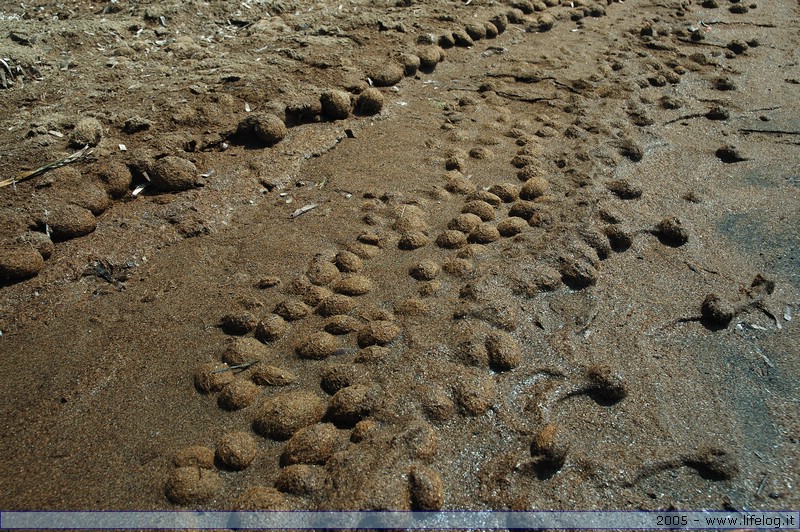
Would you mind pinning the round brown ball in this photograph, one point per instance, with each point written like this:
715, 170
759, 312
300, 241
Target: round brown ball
20, 263
322, 272
194, 456
173, 173
300, 479
236, 450
352, 404
280, 416
429, 56
348, 262
335, 304
266, 375
270, 328
335, 104
451, 239
479, 208
69, 221
507, 192
87, 131
353, 285
369, 102
511, 226
292, 310
189, 486
533, 188
341, 324
484, 234
465, 222
425, 270
549, 448
413, 240
314, 444
504, 352
261, 498
387, 75
378, 332
426, 489
212, 377
317, 346
238, 394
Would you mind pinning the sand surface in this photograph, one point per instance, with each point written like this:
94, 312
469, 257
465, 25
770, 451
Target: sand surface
556, 268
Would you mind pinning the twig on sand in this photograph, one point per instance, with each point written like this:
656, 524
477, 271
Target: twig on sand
761, 486
237, 366
47, 167
303, 210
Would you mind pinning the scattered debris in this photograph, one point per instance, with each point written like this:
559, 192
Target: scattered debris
304, 209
